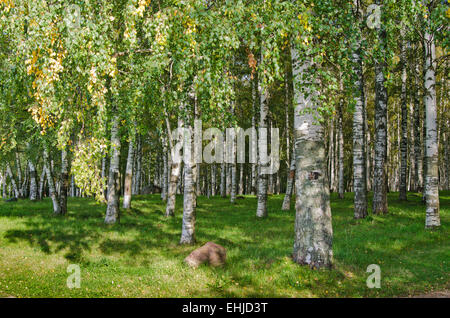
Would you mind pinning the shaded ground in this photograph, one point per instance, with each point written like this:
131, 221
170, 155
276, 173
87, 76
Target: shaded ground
140, 257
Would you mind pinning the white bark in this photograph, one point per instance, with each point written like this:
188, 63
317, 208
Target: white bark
431, 137
313, 228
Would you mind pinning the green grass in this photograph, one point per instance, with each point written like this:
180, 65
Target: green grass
141, 257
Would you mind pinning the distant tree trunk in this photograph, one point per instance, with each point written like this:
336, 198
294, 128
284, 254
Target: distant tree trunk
13, 181
4, 195
341, 144
418, 165
261, 210
331, 168
64, 182
431, 138
72, 186
129, 176
359, 131
104, 179
51, 185
241, 179
213, 179
137, 177
41, 183
113, 210
313, 228
233, 171
254, 141
404, 124
165, 173
33, 182
290, 185
380, 205
19, 175
223, 192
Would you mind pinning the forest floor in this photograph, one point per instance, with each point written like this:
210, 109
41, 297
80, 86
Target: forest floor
140, 257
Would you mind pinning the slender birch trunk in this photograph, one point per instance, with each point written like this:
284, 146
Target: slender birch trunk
12, 180
313, 228
341, 189
33, 182
51, 185
223, 180
261, 210
431, 139
113, 210
19, 175
290, 185
129, 176
254, 142
4, 174
380, 204
64, 181
404, 126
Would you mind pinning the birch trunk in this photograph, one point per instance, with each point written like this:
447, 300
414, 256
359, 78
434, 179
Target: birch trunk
4, 195
290, 185
213, 179
261, 210
380, 205
359, 131
41, 183
64, 182
19, 175
174, 173
33, 182
341, 146
431, 139
113, 210
12, 180
404, 126
128, 176
313, 228
418, 165
51, 185
189, 198
223, 178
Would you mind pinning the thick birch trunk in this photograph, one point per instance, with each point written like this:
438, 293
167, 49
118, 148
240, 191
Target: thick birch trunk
313, 228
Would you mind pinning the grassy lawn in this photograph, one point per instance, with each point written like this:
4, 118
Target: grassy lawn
141, 257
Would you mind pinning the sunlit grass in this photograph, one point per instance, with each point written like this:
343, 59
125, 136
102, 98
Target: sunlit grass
141, 257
